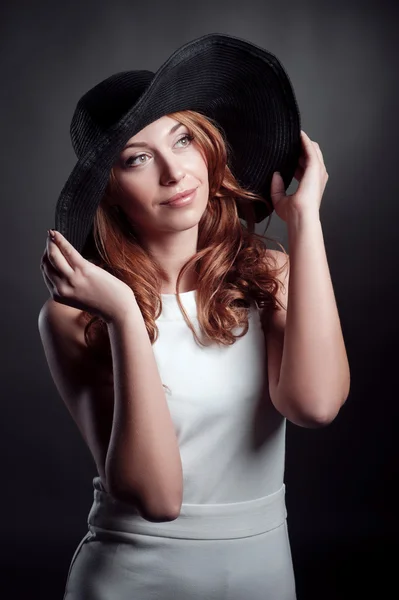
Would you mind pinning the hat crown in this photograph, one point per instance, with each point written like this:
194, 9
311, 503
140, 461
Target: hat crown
104, 105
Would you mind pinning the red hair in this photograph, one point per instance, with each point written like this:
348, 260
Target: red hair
231, 263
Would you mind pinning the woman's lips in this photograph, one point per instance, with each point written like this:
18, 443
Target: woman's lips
179, 195
182, 201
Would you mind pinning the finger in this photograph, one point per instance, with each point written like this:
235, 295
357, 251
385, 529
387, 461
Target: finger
277, 189
43, 256
304, 136
313, 147
319, 156
49, 275
48, 282
319, 153
52, 272
307, 154
308, 144
56, 260
56, 255
70, 253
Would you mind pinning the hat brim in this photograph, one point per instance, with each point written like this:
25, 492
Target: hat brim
241, 86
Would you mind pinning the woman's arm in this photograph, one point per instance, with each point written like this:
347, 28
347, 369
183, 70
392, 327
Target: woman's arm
314, 376
143, 462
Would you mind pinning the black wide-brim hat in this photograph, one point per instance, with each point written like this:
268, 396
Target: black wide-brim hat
241, 86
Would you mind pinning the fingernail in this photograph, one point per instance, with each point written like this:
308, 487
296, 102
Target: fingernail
51, 234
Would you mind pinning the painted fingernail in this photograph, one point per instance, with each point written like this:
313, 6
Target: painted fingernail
51, 234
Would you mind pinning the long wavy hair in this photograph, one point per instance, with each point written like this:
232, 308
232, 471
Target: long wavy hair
231, 263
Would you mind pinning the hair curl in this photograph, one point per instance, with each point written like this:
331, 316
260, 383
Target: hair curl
231, 263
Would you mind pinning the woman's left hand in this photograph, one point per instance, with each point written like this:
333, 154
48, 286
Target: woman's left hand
312, 176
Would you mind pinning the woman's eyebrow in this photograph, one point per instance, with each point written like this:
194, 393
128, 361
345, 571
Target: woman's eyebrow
134, 144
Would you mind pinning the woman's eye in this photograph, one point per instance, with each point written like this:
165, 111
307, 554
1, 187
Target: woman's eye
131, 160
189, 137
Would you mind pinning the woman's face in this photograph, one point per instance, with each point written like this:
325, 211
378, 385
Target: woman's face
163, 162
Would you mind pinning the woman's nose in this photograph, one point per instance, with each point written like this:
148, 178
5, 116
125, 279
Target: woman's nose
172, 169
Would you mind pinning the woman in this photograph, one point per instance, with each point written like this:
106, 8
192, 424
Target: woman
152, 300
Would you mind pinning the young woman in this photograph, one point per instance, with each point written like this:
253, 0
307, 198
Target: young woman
179, 343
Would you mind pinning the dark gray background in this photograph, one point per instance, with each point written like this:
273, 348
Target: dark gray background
342, 58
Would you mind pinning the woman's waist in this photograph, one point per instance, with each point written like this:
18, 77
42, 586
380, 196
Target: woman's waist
198, 521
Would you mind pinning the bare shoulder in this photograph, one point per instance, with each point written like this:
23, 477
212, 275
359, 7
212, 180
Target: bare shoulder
58, 313
61, 329
61, 324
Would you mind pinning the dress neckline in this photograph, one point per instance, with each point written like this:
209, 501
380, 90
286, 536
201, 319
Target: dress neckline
171, 309
190, 292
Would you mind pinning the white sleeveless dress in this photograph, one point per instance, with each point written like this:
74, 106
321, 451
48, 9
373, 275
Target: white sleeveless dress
230, 540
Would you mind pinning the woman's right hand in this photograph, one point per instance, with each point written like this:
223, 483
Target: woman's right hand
76, 282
